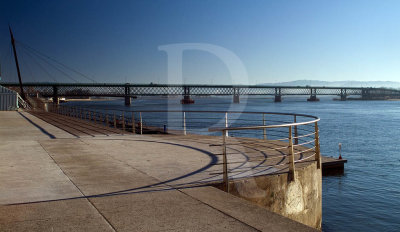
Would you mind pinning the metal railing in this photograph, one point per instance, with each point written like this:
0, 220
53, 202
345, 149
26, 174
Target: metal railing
293, 142
294, 138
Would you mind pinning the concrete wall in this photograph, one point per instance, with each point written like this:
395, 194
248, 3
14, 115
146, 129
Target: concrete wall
300, 200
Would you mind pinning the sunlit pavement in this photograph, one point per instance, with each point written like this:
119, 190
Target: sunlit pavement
51, 180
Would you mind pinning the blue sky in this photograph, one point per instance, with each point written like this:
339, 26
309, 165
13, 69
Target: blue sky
117, 41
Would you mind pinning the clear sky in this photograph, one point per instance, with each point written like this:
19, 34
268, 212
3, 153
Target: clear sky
117, 41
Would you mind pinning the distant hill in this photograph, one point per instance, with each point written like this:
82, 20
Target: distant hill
376, 84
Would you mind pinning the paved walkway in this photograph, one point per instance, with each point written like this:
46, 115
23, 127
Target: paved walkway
51, 180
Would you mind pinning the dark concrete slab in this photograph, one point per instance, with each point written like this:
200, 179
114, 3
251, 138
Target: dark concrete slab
68, 215
165, 211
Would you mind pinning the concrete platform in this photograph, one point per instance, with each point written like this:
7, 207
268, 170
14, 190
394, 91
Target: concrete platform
51, 180
332, 166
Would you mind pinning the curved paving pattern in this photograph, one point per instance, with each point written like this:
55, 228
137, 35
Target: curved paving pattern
113, 182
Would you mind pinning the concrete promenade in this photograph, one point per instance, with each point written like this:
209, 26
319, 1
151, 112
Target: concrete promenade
51, 180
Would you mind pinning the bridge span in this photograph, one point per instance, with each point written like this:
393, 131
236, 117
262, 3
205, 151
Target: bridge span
56, 90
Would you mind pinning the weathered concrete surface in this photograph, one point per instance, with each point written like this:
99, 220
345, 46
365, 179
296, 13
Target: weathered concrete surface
262, 220
58, 182
67, 215
27, 172
300, 200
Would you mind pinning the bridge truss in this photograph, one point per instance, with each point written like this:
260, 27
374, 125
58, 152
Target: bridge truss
56, 90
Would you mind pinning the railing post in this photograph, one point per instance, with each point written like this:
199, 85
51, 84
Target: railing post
225, 162
292, 172
226, 123
133, 123
94, 116
141, 123
265, 129
115, 121
317, 150
184, 123
296, 135
123, 121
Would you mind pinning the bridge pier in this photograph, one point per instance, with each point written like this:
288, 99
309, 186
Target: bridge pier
127, 95
128, 100
236, 98
186, 96
55, 95
343, 94
313, 95
278, 95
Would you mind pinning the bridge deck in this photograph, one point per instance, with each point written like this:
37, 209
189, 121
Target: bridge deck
126, 90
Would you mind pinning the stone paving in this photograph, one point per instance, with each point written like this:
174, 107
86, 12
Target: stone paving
51, 180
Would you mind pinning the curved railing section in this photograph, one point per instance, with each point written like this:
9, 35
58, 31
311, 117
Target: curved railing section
287, 138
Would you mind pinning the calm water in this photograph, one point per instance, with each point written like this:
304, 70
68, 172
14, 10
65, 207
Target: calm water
367, 196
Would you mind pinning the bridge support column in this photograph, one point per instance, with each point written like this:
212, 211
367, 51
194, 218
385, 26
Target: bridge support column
186, 96
128, 101
343, 95
278, 95
236, 98
127, 95
313, 95
55, 95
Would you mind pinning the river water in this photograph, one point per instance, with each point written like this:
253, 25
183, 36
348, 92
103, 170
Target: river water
367, 196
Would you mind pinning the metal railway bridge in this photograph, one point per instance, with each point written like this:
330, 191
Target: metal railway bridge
56, 90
